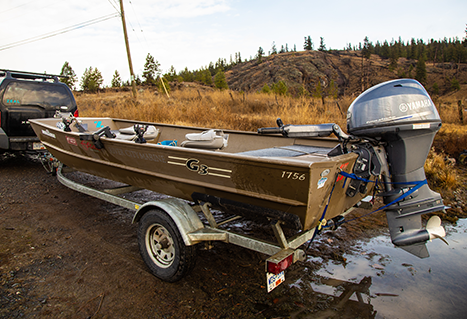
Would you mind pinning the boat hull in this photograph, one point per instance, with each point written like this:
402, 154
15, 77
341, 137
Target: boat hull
299, 186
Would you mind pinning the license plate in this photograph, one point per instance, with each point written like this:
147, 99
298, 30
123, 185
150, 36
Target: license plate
38, 146
274, 280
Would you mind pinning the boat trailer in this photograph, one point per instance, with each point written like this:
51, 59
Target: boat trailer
169, 228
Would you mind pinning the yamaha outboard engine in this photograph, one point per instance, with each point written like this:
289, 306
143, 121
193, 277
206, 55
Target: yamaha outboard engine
401, 115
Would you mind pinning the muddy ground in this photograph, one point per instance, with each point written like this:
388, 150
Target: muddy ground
64, 254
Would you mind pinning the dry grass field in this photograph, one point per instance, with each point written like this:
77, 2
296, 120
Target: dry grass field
213, 108
205, 107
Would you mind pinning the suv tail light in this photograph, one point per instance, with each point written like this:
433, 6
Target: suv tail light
76, 114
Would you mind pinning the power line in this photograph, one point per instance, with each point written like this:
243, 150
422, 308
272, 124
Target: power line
115, 5
141, 29
9, 17
137, 20
61, 31
16, 7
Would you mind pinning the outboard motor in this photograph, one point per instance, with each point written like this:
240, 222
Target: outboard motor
401, 115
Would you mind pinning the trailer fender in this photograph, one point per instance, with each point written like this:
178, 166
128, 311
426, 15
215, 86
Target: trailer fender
182, 214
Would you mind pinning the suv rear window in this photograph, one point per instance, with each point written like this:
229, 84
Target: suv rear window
46, 96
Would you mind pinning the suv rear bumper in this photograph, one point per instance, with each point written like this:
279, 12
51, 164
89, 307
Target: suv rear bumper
17, 143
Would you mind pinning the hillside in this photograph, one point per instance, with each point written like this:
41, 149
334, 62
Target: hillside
347, 69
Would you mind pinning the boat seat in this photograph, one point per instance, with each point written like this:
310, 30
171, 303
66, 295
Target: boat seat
211, 139
128, 134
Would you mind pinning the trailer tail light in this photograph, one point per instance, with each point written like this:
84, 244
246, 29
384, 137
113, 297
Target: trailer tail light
76, 114
276, 268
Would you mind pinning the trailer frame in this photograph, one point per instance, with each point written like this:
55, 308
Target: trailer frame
282, 253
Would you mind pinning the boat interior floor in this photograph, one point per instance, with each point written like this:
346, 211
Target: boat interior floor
216, 140
288, 151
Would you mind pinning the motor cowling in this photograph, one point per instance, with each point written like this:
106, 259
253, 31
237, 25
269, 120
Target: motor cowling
401, 115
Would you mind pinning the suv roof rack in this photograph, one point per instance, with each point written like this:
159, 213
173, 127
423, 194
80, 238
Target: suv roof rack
30, 75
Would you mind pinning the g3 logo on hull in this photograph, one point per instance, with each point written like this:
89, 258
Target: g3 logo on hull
193, 165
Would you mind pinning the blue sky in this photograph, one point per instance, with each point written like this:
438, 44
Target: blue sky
192, 33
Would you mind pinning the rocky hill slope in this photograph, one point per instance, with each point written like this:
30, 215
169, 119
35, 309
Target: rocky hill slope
352, 73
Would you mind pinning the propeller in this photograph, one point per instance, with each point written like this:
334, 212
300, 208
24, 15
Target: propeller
434, 228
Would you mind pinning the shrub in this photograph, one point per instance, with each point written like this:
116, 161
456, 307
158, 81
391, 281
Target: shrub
279, 88
266, 89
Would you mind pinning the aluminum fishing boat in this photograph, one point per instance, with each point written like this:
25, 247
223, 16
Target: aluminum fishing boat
296, 175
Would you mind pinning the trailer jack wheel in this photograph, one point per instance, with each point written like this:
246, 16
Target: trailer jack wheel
162, 246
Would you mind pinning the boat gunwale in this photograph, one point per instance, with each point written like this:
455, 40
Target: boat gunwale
296, 161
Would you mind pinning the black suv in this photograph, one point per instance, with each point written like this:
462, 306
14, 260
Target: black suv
24, 96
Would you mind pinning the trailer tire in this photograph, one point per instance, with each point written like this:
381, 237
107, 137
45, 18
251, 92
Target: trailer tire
162, 247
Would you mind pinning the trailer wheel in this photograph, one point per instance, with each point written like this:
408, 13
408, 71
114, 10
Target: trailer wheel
162, 246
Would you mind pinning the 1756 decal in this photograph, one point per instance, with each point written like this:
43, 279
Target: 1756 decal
293, 175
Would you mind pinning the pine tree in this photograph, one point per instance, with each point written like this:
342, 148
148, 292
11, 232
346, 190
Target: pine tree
260, 54
187, 75
394, 57
198, 75
207, 77
116, 80
318, 93
322, 46
151, 67
420, 71
138, 80
219, 80
280, 88
455, 86
220, 64
69, 75
333, 90
308, 46
367, 48
239, 58
273, 48
203, 76
171, 75
92, 79
435, 89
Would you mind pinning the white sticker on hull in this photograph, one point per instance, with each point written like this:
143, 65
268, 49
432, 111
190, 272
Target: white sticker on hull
322, 182
49, 134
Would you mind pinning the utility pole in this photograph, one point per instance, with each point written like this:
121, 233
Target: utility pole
132, 74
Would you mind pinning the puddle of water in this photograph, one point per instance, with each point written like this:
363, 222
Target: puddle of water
404, 285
